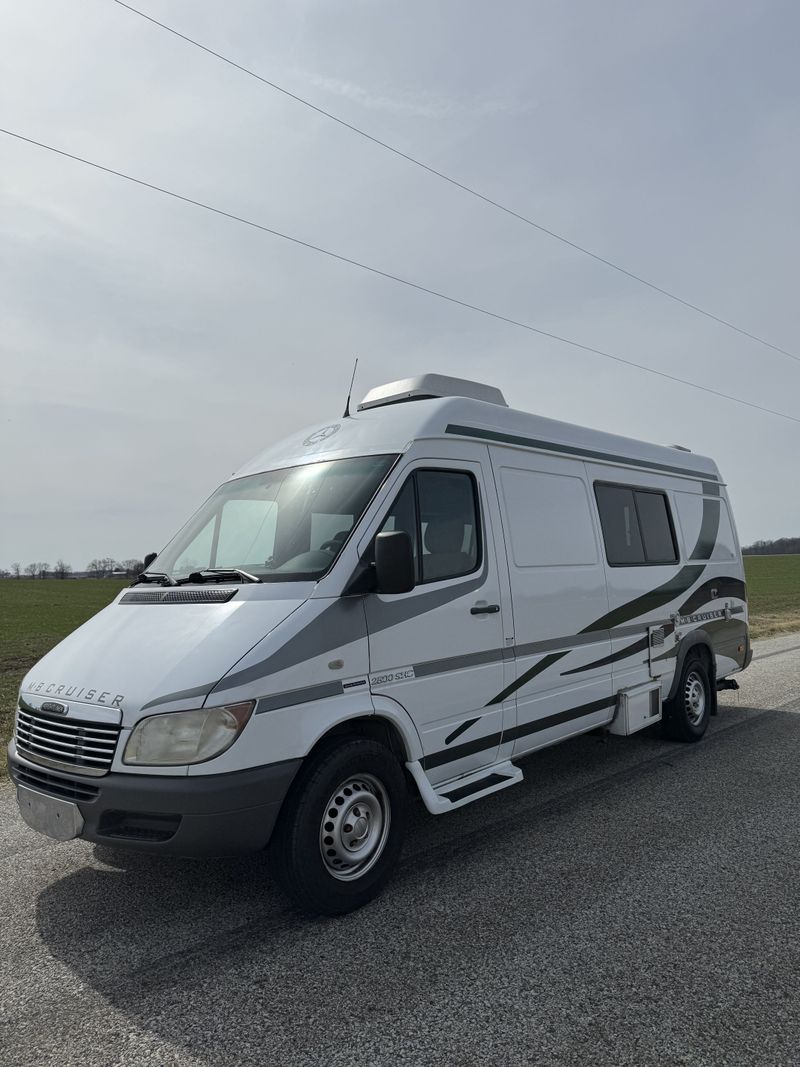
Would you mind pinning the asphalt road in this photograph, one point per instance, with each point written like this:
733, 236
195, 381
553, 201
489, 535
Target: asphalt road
632, 902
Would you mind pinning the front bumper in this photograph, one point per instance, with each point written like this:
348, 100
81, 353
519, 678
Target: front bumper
198, 815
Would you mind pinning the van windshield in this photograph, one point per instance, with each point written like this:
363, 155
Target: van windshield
282, 525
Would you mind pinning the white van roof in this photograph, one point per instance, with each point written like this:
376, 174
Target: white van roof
393, 416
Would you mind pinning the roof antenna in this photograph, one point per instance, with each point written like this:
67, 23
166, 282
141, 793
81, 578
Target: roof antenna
350, 393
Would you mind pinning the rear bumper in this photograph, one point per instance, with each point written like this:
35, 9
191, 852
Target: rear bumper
198, 815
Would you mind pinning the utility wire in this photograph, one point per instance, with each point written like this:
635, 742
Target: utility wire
394, 277
460, 185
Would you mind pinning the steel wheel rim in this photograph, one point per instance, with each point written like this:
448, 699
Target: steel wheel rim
354, 827
694, 697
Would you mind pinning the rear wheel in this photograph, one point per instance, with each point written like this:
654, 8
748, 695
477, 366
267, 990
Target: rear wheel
341, 830
686, 715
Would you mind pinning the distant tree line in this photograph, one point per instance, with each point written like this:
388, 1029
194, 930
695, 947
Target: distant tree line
96, 568
781, 547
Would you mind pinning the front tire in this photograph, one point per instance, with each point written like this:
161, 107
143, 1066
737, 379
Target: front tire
341, 830
686, 716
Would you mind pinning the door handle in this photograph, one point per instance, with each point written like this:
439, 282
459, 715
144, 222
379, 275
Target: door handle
484, 609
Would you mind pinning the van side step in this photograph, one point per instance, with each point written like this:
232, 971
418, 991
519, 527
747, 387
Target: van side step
473, 786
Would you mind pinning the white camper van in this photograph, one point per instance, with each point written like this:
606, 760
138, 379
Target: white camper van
407, 599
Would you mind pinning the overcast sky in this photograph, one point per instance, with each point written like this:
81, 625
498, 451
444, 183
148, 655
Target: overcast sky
149, 348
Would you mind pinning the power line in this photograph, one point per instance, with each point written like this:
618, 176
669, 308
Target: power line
394, 277
461, 185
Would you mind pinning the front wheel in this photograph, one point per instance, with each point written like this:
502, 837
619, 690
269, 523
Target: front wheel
341, 830
686, 716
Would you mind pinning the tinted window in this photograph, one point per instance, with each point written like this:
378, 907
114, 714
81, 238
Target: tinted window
438, 510
448, 524
403, 515
656, 530
620, 525
636, 526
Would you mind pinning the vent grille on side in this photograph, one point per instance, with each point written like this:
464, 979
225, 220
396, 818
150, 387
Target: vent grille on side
656, 636
178, 596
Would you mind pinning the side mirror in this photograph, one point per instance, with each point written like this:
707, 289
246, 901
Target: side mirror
148, 559
395, 571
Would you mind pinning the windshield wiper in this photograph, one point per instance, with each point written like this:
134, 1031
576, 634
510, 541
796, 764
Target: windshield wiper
155, 576
219, 574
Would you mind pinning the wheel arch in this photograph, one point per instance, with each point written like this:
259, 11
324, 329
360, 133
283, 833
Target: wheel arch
373, 727
699, 644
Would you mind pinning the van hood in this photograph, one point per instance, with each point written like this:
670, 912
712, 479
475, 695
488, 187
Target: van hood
132, 655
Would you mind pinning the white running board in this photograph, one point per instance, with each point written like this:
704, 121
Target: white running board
461, 791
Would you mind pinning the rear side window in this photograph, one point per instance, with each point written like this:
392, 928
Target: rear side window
637, 527
655, 526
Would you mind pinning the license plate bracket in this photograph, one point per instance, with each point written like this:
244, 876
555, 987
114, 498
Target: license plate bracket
57, 818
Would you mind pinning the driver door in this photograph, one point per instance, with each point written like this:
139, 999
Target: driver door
439, 649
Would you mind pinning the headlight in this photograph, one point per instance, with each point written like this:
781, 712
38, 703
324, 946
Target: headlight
181, 737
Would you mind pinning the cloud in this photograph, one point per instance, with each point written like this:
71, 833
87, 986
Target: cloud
419, 105
148, 348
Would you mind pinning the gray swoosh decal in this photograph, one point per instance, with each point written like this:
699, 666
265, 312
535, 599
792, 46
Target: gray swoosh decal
460, 663
662, 594
709, 528
461, 729
523, 679
725, 586
181, 694
721, 631
299, 696
340, 623
345, 621
638, 646
559, 644
656, 598
381, 614
489, 741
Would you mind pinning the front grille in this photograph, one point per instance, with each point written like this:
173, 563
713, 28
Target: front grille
55, 785
71, 744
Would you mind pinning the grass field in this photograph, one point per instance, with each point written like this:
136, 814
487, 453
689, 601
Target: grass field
36, 614
773, 594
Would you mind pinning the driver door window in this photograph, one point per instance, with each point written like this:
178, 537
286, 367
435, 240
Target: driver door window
438, 510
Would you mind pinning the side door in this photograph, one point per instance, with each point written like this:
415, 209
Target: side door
442, 650
562, 681
647, 580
